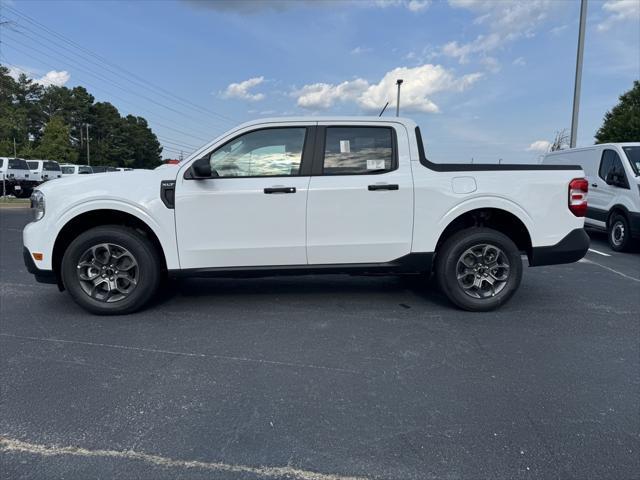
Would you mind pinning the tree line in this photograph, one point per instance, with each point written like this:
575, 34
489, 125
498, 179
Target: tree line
50, 123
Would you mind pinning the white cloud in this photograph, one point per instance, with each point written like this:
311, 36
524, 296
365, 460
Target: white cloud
541, 146
520, 62
506, 21
242, 90
358, 50
420, 83
619, 11
250, 7
53, 77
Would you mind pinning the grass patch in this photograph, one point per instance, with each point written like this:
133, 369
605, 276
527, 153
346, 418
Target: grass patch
14, 201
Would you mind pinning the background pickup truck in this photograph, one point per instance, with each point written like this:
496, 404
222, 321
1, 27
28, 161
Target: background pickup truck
306, 195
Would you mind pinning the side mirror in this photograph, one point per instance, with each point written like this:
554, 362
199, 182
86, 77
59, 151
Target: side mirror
201, 168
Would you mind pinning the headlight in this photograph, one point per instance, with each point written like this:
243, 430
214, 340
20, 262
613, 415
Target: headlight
37, 204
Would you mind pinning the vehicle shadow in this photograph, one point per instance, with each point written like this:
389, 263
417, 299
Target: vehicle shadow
335, 287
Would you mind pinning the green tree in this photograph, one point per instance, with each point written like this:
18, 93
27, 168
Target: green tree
622, 123
55, 143
50, 122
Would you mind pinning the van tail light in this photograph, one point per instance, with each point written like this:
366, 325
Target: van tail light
578, 188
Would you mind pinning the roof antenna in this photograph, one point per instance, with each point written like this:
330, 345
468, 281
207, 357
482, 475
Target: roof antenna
384, 108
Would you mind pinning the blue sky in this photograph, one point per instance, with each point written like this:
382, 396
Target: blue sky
485, 80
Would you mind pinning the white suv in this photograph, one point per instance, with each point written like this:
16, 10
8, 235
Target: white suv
17, 177
72, 169
43, 170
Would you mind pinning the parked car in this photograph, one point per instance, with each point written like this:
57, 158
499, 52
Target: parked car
124, 169
307, 195
72, 169
613, 170
43, 170
17, 177
103, 169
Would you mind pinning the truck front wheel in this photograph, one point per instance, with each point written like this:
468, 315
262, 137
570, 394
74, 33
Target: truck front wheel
478, 269
111, 270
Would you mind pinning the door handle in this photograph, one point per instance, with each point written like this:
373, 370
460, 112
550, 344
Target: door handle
386, 186
595, 185
270, 190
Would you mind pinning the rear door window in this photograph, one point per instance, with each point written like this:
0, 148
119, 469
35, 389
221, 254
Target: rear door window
358, 151
33, 165
51, 166
18, 164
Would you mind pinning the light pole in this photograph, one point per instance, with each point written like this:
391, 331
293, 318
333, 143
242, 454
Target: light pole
398, 82
576, 89
88, 157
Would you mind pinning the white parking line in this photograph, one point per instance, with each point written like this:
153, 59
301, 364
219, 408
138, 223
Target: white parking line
584, 260
13, 445
599, 253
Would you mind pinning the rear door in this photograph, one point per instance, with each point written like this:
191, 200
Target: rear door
360, 201
253, 212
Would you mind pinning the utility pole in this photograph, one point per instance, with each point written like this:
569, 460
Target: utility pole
578, 83
15, 154
88, 157
398, 82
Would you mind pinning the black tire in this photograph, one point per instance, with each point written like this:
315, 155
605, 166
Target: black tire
148, 269
618, 233
447, 266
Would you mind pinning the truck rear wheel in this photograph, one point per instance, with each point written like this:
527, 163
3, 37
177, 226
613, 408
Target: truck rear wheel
111, 270
478, 269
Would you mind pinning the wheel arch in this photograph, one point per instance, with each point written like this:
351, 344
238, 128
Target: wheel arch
617, 208
98, 217
496, 218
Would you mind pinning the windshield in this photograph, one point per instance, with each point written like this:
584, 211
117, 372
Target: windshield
51, 166
85, 169
67, 170
18, 164
633, 154
33, 165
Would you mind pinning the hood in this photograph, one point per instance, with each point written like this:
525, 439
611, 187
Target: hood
107, 183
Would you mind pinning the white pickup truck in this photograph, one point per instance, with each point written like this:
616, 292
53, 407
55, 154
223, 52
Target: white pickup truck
306, 195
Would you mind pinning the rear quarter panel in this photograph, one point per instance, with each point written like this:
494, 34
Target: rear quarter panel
537, 197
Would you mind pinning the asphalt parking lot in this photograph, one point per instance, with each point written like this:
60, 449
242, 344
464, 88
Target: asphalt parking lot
324, 378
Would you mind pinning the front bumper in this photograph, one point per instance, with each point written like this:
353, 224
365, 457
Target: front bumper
42, 276
568, 250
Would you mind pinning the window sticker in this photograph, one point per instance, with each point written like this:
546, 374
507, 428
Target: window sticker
345, 146
375, 165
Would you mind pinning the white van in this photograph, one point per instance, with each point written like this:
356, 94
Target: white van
72, 169
613, 171
16, 177
43, 170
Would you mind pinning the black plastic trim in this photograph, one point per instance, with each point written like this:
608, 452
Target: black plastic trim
42, 276
413, 263
634, 224
597, 214
479, 167
568, 250
168, 193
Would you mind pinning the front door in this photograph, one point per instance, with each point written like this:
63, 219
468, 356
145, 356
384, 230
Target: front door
252, 211
360, 203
